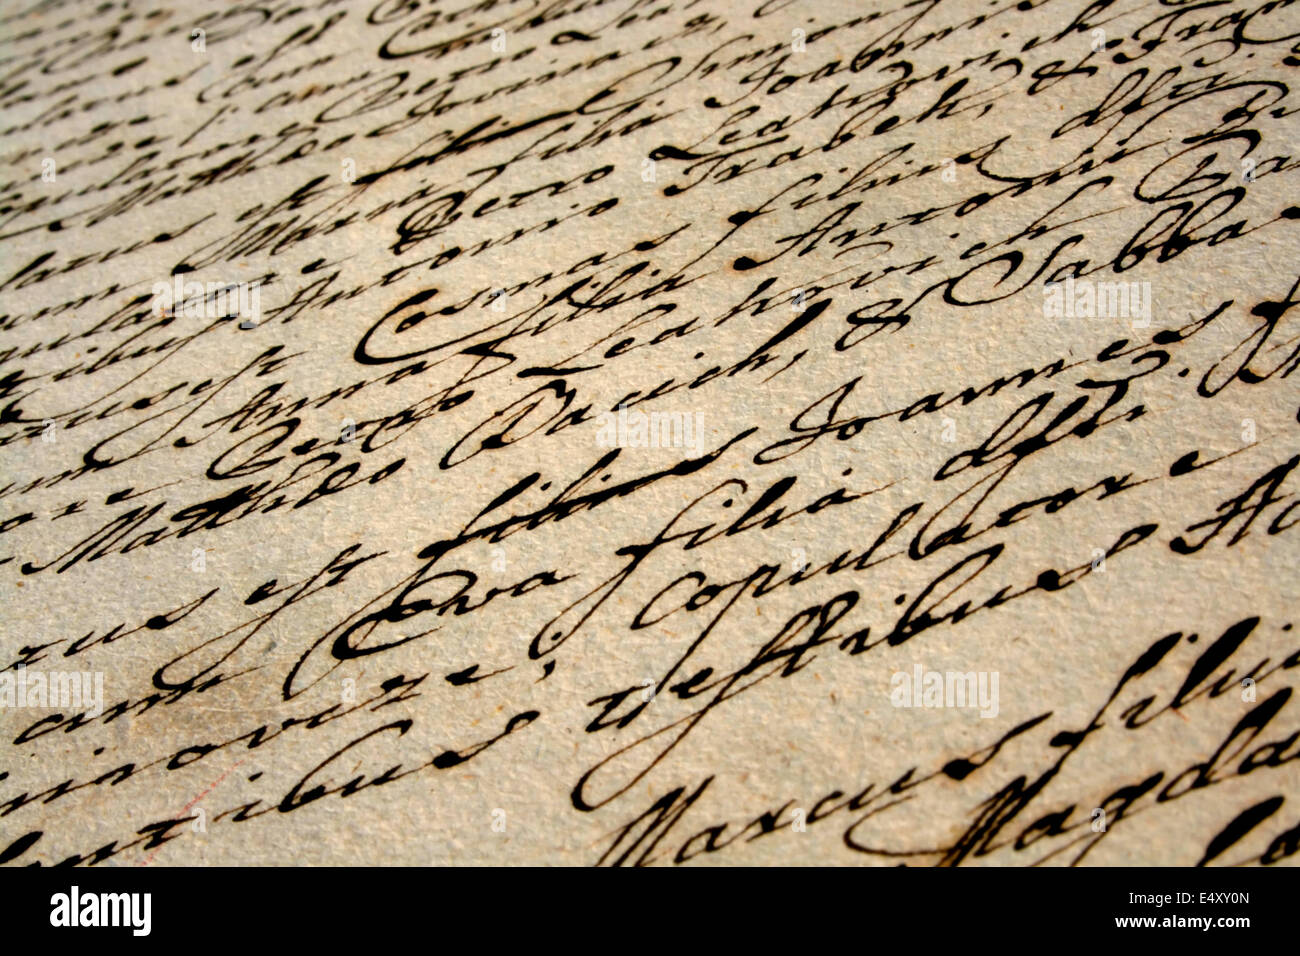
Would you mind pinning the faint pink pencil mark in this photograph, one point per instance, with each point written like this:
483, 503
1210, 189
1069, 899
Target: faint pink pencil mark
186, 808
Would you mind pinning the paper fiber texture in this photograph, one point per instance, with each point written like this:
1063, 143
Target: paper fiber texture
670, 432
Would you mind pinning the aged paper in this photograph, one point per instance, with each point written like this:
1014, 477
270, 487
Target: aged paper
671, 432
